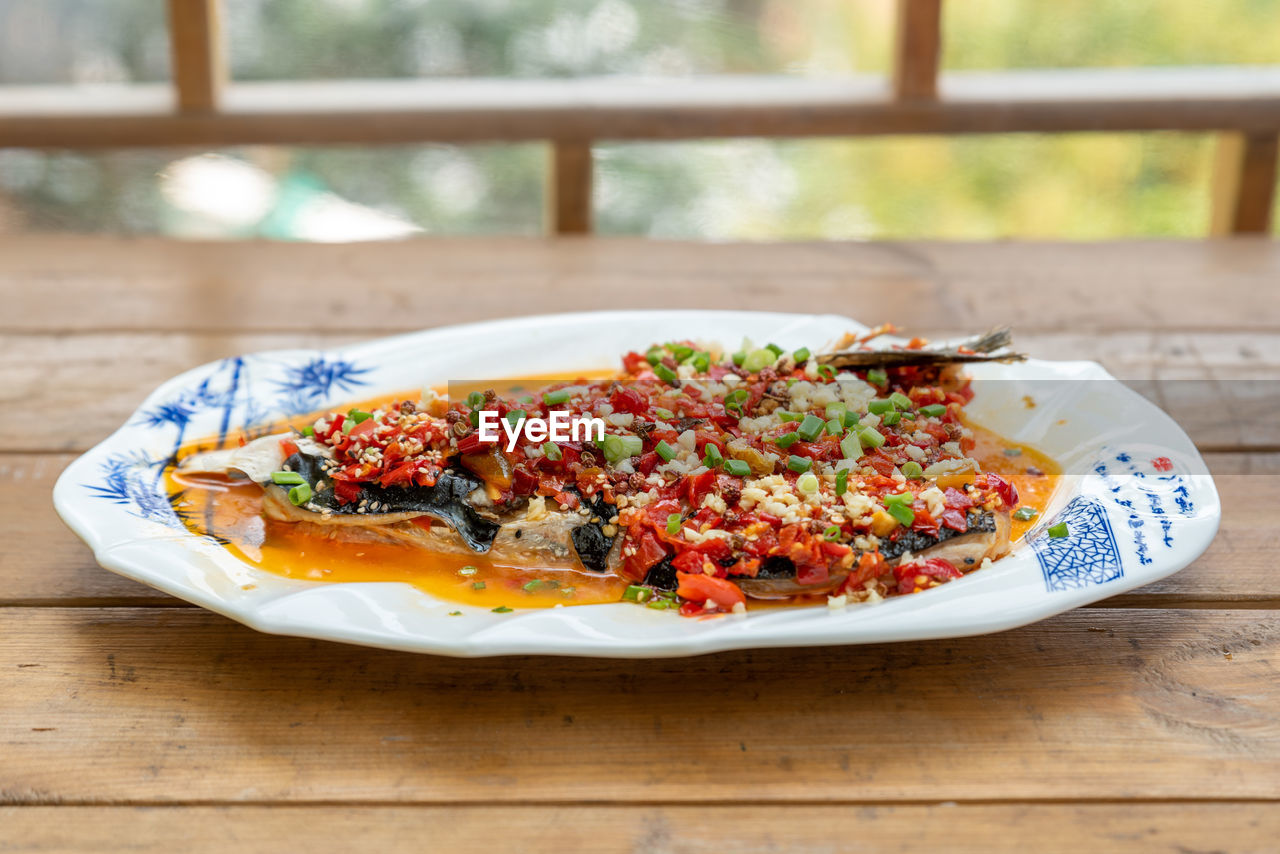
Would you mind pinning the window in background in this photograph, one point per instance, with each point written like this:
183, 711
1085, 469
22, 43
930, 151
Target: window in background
1070, 186
330, 39
1079, 186
321, 194
83, 41
994, 34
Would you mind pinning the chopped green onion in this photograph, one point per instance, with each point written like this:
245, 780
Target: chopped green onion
475, 400
478, 585
835, 427
502, 609
1059, 530
654, 355
526, 398
468, 570
912, 470
811, 427
807, 482
787, 440
359, 415
799, 464
734, 399
551, 398
836, 409
285, 478
660, 604
1025, 514
880, 406
758, 360
300, 494
900, 498
309, 431
737, 468
664, 414
933, 410
474, 418
901, 401
890, 418
533, 585
784, 415
801, 355
712, 458
738, 358
636, 593
827, 371
851, 447
681, 352
1013, 452
870, 437
611, 446
775, 349
665, 451
842, 482
515, 415
667, 375
832, 533
849, 419
551, 451
618, 448
902, 513
878, 378
702, 361
673, 524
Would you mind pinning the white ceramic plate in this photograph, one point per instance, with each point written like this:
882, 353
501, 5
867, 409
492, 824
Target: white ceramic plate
1141, 507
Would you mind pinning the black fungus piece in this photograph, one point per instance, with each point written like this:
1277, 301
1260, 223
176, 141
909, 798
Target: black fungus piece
980, 522
776, 567
445, 501
590, 541
592, 546
662, 575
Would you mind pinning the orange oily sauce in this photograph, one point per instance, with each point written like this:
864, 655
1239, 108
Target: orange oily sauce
233, 512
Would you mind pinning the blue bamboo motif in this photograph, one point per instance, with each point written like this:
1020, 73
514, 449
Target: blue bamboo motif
135, 479
307, 387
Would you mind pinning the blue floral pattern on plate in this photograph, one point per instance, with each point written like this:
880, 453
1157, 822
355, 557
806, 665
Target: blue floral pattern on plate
1088, 555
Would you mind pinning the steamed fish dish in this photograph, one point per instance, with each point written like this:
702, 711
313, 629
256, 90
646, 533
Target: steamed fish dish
699, 480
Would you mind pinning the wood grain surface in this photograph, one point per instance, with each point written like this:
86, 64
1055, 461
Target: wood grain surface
701, 829
132, 721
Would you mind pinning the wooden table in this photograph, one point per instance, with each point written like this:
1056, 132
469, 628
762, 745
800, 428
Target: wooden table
132, 721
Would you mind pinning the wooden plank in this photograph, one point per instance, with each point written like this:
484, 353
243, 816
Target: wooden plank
569, 188
918, 49
47, 563
1238, 570
199, 53
86, 385
471, 110
145, 283
133, 706
1244, 183
959, 829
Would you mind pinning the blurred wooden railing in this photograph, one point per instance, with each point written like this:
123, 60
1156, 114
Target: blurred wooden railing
1240, 104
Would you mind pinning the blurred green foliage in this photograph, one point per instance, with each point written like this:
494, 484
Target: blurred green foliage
1052, 186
